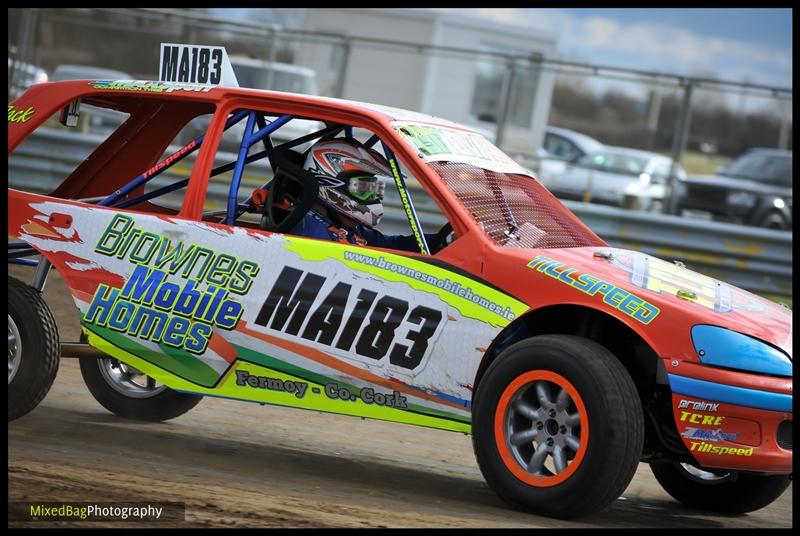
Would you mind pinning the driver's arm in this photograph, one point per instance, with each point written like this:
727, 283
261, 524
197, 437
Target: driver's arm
406, 243
311, 227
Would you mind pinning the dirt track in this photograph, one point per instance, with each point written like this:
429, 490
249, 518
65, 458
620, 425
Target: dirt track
242, 465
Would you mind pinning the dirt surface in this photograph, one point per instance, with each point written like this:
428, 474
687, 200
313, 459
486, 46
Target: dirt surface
243, 465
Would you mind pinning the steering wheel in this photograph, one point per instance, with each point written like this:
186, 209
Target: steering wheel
442, 238
292, 183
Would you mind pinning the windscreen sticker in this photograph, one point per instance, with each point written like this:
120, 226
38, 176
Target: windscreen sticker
440, 144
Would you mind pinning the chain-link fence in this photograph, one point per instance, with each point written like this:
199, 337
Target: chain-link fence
509, 92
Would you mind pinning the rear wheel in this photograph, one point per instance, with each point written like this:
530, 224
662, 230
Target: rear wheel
127, 392
557, 426
33, 348
719, 491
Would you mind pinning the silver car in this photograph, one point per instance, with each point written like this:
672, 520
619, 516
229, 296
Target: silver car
616, 176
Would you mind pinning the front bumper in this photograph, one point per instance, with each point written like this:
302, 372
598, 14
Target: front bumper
732, 420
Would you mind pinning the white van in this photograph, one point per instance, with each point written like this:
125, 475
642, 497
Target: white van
274, 76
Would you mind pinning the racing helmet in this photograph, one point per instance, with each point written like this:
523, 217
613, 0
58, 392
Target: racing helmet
348, 175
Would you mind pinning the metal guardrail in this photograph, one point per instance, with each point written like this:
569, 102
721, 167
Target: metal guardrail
759, 260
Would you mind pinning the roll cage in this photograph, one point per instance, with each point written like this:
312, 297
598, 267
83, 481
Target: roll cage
259, 127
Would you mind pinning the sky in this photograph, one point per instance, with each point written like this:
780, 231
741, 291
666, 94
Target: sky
738, 44
753, 45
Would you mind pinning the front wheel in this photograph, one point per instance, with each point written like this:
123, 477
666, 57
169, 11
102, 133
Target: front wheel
724, 492
557, 426
127, 392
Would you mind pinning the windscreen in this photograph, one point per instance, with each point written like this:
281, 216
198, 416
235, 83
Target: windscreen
508, 204
513, 209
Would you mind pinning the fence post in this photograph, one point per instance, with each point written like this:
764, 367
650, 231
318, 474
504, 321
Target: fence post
679, 140
343, 65
25, 38
505, 104
786, 118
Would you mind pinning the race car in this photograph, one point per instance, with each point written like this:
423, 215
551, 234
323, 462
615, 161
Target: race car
569, 361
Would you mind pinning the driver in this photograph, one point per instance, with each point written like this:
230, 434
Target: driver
350, 193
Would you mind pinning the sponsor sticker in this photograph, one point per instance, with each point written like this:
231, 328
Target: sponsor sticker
709, 435
614, 296
697, 418
152, 307
709, 448
19, 116
698, 406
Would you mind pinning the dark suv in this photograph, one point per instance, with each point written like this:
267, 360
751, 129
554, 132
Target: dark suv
755, 189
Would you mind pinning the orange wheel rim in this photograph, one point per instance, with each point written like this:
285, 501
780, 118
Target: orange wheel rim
541, 428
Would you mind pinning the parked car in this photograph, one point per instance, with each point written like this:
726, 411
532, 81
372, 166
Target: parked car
560, 147
755, 189
102, 121
21, 76
616, 176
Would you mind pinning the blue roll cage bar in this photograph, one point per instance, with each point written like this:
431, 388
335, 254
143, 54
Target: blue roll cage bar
20, 250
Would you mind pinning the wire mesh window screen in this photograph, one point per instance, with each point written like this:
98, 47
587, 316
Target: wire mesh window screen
515, 210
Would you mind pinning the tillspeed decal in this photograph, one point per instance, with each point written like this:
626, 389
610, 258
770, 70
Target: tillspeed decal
19, 116
660, 276
614, 296
171, 158
710, 448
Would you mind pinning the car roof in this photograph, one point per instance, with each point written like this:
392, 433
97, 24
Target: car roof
635, 152
586, 143
768, 151
388, 113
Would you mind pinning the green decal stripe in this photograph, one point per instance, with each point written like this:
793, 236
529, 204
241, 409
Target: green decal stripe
180, 364
252, 356
227, 388
318, 251
412, 221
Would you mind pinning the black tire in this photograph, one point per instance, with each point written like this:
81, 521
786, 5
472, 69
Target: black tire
774, 220
162, 406
748, 492
40, 348
613, 442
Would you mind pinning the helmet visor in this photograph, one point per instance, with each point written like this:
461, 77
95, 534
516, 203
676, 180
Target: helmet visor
366, 187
